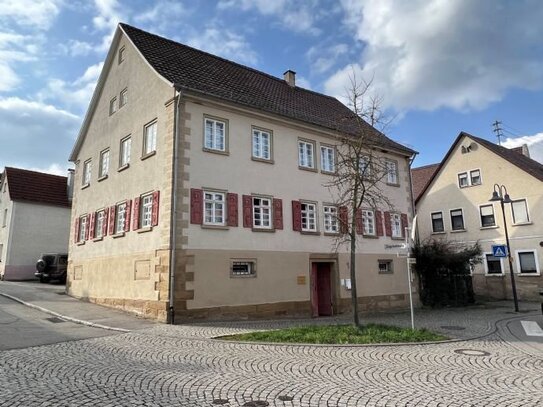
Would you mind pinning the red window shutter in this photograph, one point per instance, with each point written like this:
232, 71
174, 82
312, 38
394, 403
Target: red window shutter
196, 206
343, 219
247, 211
136, 214
127, 216
111, 221
76, 230
87, 229
404, 223
154, 209
278, 213
379, 223
297, 216
232, 202
105, 222
92, 234
359, 222
388, 226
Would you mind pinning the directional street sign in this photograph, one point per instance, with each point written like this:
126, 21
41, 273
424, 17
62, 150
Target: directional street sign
499, 250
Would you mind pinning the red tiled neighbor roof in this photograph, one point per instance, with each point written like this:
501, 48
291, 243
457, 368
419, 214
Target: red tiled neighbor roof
421, 176
37, 187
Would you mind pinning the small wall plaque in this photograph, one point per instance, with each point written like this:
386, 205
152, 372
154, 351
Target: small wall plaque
301, 280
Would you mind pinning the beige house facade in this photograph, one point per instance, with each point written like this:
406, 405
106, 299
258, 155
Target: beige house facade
453, 203
220, 208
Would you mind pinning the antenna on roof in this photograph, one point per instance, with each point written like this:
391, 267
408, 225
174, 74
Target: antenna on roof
498, 130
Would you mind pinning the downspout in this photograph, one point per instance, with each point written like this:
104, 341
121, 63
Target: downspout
173, 214
413, 210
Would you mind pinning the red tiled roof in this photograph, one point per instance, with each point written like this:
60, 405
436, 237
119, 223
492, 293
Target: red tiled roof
421, 176
37, 187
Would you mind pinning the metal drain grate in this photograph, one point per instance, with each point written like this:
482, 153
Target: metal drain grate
55, 320
285, 398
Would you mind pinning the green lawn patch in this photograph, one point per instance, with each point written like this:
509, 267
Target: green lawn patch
340, 334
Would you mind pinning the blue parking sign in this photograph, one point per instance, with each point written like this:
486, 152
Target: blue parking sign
499, 250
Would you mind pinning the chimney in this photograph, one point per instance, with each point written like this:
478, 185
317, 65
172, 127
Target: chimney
290, 77
70, 189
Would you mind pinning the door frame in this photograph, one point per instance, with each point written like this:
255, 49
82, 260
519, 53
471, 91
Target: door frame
334, 282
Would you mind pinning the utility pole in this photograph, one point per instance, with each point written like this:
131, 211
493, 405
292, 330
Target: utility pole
498, 130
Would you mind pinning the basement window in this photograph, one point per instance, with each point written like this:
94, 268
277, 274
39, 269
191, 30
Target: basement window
243, 268
385, 266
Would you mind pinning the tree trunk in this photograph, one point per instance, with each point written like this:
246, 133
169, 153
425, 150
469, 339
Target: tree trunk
354, 295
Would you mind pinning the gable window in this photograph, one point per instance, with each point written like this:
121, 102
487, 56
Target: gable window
87, 168
99, 224
243, 268
396, 224
385, 266
487, 215
457, 219
5, 218
104, 164
328, 159
262, 144
215, 134
309, 217
149, 138
262, 209
437, 222
331, 224
125, 151
365, 166
306, 154
392, 172
368, 222
112, 106
82, 228
213, 208
475, 177
527, 262
493, 265
120, 218
121, 54
123, 98
1, 251
146, 210
463, 180
519, 209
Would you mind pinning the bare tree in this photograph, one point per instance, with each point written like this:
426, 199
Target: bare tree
360, 171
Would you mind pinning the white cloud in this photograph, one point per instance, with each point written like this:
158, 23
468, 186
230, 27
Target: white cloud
323, 59
302, 82
38, 14
535, 145
55, 169
427, 54
110, 13
155, 16
14, 49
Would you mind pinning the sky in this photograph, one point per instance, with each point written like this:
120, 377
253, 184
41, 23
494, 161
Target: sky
439, 66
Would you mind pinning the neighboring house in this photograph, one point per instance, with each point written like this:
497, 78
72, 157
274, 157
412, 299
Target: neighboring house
453, 203
242, 201
35, 219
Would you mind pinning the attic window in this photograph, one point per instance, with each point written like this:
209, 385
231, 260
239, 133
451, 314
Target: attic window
121, 55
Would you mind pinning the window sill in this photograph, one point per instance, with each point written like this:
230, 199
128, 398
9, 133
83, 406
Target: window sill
242, 275
522, 224
117, 235
80, 243
85, 185
489, 227
370, 236
439, 233
310, 169
494, 275
98, 239
145, 229
393, 184
310, 232
146, 156
265, 230
386, 272
459, 231
528, 274
328, 172
334, 234
218, 227
397, 238
103, 177
262, 160
123, 167
220, 152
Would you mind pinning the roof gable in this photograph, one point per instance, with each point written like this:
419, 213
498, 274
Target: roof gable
37, 187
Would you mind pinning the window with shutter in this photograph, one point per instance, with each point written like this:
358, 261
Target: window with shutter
232, 209
404, 223
359, 222
247, 211
296, 216
278, 213
87, 229
136, 214
196, 206
344, 219
76, 230
379, 223
106, 222
111, 220
388, 226
92, 225
154, 213
127, 216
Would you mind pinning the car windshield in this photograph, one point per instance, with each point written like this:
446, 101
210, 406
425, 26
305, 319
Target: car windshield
49, 259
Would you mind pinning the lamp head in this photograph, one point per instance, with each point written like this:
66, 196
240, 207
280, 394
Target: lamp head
495, 197
507, 199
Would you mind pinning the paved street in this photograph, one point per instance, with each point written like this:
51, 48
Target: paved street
182, 366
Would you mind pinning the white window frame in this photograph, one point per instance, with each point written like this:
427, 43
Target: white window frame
124, 152
82, 228
309, 215
471, 177
146, 210
306, 157
432, 221
369, 226
462, 175
517, 258
150, 131
123, 97
261, 144
87, 172
262, 211
328, 159
217, 205
120, 214
113, 106
485, 264
527, 212
463, 220
389, 263
481, 216
396, 225
213, 141
392, 172
121, 54
251, 263
330, 219
100, 217
104, 163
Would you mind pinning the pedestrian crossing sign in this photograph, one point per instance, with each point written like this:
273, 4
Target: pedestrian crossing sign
499, 250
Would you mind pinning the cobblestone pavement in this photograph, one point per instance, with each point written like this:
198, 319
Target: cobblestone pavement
182, 366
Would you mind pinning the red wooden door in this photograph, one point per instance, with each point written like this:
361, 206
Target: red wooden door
314, 291
324, 288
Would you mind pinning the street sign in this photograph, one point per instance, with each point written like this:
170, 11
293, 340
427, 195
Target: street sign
499, 250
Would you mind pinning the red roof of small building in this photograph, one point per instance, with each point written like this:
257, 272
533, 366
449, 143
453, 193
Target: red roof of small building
421, 176
37, 187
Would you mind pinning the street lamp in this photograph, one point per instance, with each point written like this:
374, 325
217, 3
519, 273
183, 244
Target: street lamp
500, 194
